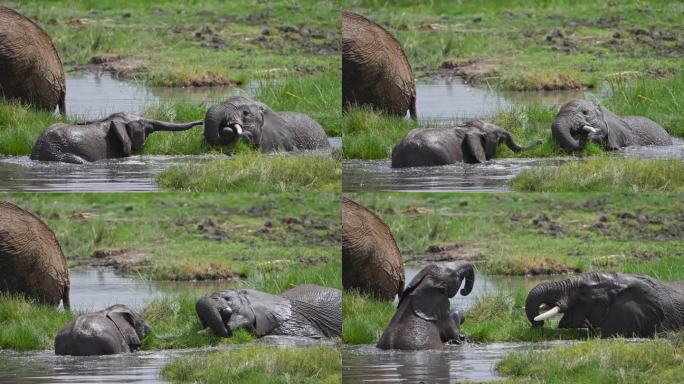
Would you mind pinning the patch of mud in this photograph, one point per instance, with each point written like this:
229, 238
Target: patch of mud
123, 260
550, 266
449, 252
472, 71
542, 222
122, 67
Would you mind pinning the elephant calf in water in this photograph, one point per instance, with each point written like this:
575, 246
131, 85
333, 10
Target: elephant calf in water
471, 142
240, 117
306, 310
614, 304
116, 329
118, 135
581, 120
424, 319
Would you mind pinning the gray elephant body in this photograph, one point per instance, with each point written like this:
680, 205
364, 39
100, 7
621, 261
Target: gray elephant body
118, 135
613, 304
261, 127
578, 121
424, 319
470, 142
31, 69
306, 310
116, 329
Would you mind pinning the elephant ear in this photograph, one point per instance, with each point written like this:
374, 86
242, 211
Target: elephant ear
635, 311
417, 279
124, 322
430, 300
269, 311
472, 145
120, 132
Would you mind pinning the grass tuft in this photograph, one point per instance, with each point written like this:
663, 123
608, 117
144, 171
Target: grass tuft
26, 325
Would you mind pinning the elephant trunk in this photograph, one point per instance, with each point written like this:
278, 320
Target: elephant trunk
561, 132
468, 272
164, 126
550, 293
209, 315
216, 130
516, 148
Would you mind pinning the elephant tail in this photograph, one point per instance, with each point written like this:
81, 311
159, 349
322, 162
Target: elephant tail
412, 108
62, 103
65, 298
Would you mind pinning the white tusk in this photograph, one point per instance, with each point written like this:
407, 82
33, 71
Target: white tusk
238, 129
550, 313
589, 128
227, 311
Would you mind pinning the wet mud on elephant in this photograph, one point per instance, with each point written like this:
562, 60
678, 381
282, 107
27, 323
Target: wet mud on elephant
424, 318
263, 128
118, 135
30, 68
375, 70
305, 310
610, 303
470, 142
579, 121
117, 329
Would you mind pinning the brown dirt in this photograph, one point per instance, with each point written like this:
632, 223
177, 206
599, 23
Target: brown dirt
121, 259
449, 252
549, 266
472, 71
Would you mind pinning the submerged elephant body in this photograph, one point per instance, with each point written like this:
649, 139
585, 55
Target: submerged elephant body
261, 127
117, 329
424, 318
31, 261
31, 69
471, 142
118, 135
306, 310
613, 304
579, 121
371, 261
375, 70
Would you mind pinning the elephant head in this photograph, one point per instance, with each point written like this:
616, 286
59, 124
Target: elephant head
237, 117
482, 139
612, 303
257, 312
581, 120
133, 130
131, 325
431, 288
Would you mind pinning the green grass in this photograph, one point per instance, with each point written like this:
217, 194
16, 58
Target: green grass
256, 172
183, 236
26, 325
364, 318
605, 174
207, 42
599, 361
320, 364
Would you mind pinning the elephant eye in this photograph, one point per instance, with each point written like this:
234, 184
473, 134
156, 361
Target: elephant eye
245, 113
585, 112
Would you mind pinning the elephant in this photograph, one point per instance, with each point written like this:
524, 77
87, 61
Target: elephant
117, 135
423, 319
470, 142
305, 310
610, 303
117, 329
261, 127
31, 260
31, 69
375, 70
581, 120
371, 261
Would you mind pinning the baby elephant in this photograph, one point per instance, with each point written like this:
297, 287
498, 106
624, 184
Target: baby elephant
306, 310
581, 120
424, 319
118, 135
116, 329
471, 142
261, 127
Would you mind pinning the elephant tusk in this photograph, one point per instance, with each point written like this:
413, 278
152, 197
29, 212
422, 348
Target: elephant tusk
589, 129
548, 314
227, 311
238, 129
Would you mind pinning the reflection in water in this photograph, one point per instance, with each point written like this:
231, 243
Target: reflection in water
455, 363
378, 175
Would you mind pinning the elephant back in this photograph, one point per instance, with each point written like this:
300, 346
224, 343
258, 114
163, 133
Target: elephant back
31, 260
31, 69
371, 261
375, 70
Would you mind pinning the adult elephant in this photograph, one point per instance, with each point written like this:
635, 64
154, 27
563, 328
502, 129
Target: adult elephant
613, 304
118, 135
31, 69
375, 70
470, 142
113, 330
31, 261
578, 121
241, 117
371, 261
424, 319
305, 310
